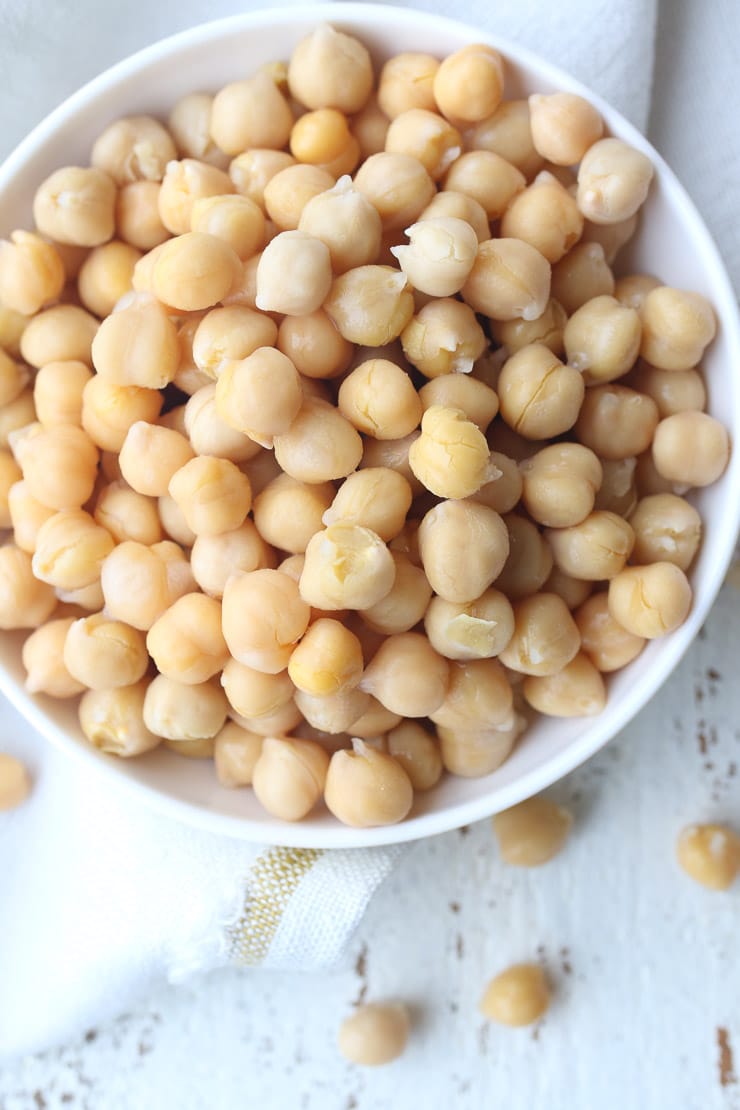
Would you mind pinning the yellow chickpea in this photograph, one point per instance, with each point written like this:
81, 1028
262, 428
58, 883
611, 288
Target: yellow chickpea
564, 126
450, 457
540, 397
650, 601
472, 754
546, 216
70, 550
109, 410
235, 219
667, 529
264, 616
397, 185
175, 711
105, 276
127, 515
43, 660
212, 493
469, 84
504, 491
214, 559
710, 854
458, 206
518, 996
25, 602
532, 833
63, 333
444, 337
508, 133
575, 691
253, 693
194, 271
347, 567
190, 126
291, 190
327, 660
345, 220
103, 654
151, 456
76, 206
370, 305
602, 339
186, 642
545, 636
250, 113
314, 345
509, 280
581, 275
260, 395
613, 181
407, 81
137, 346
294, 274
289, 776
31, 272
604, 641
379, 399
137, 215
288, 513
59, 464
458, 564
235, 754
330, 69
616, 422
251, 171
596, 549
560, 483
530, 559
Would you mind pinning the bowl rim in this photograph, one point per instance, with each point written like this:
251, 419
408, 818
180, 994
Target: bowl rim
356, 16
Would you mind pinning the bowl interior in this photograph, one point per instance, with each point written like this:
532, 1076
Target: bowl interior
672, 243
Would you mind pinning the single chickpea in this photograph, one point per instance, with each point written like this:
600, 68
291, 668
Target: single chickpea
691, 448
370, 305
209, 433
417, 752
540, 397
345, 220
457, 560
559, 484
450, 457
472, 754
31, 272
151, 456
134, 148
127, 515
140, 582
320, 445
327, 660
10, 475
613, 181
397, 185
137, 215
314, 345
530, 559
633, 289
186, 642
504, 492
194, 271
279, 723
518, 996
137, 346
545, 636
370, 127
250, 113
190, 126
215, 558
478, 697
426, 136
365, 788
406, 603
260, 395
477, 629
113, 720
255, 694
16, 415
546, 216
264, 616
650, 601
672, 390
533, 832
616, 422
109, 410
610, 237
323, 138
603, 640
618, 490
469, 84
228, 333
43, 660
102, 654
509, 279
602, 339
378, 398
575, 691
15, 782
27, 514
77, 206
334, 713
289, 776
375, 1033
106, 275
213, 494
667, 529
290, 191
407, 81
64, 333
288, 513
573, 591
440, 255
595, 549
70, 550
251, 171
59, 464
377, 498
330, 69
451, 204
487, 178
508, 133
547, 330
710, 854
476, 400
235, 753
347, 567
173, 522
677, 327
582, 275
25, 602
235, 219
564, 126
177, 711
293, 275
444, 337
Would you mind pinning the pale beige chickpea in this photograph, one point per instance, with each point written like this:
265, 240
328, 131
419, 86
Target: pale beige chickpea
151, 456
471, 754
545, 637
59, 464
406, 603
426, 136
109, 410
288, 513
378, 498
375, 1033
407, 81
228, 333
10, 475
333, 713
76, 205
451, 204
613, 181
397, 185
634, 288
479, 697
138, 222
186, 642
533, 832
508, 133
603, 640
677, 327
70, 550
581, 275
347, 567
323, 138
127, 515
595, 549
546, 216
31, 272
330, 69
12, 326
610, 237
378, 398
105, 276
650, 601
214, 559
63, 333
477, 629
140, 582
291, 190
289, 776
250, 113
530, 559
439, 256
253, 693
370, 305
26, 514
192, 749
540, 396
616, 422
43, 661
102, 654
88, 599
25, 602
370, 127
280, 723
476, 400
443, 337
320, 445
407, 675
709, 854
575, 691
327, 660
194, 271
137, 346
16, 415
418, 753
293, 275
260, 395
691, 448
58, 390
365, 787
509, 280
189, 124
214, 495
547, 330
235, 753
618, 490
176, 711
251, 171
134, 148
173, 522
235, 219
560, 483
469, 84
314, 345
209, 433
264, 616
345, 220
602, 339
672, 390
487, 178
564, 126
573, 591
518, 996
463, 547
376, 720
667, 529
451, 457
503, 492
113, 720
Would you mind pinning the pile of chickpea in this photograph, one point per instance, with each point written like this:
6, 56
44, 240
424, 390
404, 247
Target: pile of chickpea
330, 445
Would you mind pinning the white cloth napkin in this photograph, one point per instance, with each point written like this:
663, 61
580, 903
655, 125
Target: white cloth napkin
101, 899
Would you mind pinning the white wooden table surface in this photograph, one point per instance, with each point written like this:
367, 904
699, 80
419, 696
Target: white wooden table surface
645, 964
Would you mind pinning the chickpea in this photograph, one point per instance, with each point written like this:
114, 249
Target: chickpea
293, 275
370, 127
546, 216
575, 691
186, 642
137, 346
320, 445
113, 720
235, 219
545, 636
633, 289
616, 422
151, 456
650, 601
10, 474
595, 549
370, 305
261, 469
581, 276
710, 854
192, 749
503, 492
134, 148
602, 339
235, 753
397, 185
12, 326
212, 493
327, 660
691, 448
250, 113
476, 400
251, 171
508, 133
291, 190
260, 395
176, 711
137, 215
25, 602
509, 279
347, 567
210, 435
379, 399
314, 345
229, 333
190, 126
487, 178
603, 640
43, 662
618, 491
469, 84
456, 560
417, 752
540, 397
365, 788
279, 723
330, 69
27, 514
323, 138
59, 464
672, 390
346, 222
444, 337
63, 333
253, 693
31, 272
376, 720
215, 558
127, 515
547, 330
15, 783
518, 996
377, 498
451, 456
647, 479
139, 583
16, 415
533, 832
333, 713
530, 559
478, 629
426, 136
289, 775
472, 754
677, 327
106, 275
564, 126
288, 513
613, 181
451, 204
194, 271
478, 697
57, 392
440, 255
573, 591
70, 550
77, 206
407, 81
610, 237
667, 529
263, 617
103, 654
109, 410
404, 606
559, 484
407, 675
89, 599
374, 1034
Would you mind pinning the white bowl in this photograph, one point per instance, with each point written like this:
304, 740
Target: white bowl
672, 243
